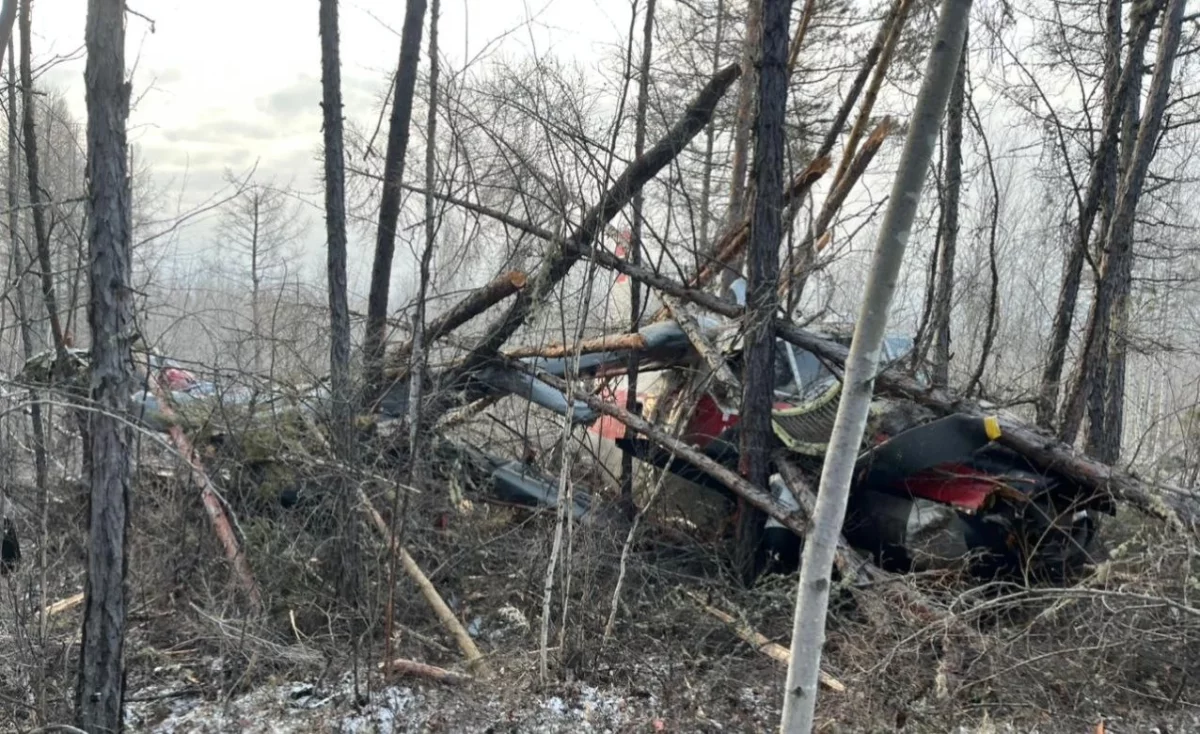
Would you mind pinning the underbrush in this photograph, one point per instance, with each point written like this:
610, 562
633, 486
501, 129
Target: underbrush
1121, 645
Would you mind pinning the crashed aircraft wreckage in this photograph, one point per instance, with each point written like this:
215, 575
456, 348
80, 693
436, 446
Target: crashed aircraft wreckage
929, 491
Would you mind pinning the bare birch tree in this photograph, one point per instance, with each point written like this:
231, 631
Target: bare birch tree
812, 594
101, 687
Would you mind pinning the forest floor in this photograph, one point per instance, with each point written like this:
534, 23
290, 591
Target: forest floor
1037, 661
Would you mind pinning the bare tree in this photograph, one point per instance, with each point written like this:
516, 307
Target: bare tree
747, 88
944, 298
341, 393
763, 270
389, 205
635, 238
812, 595
1088, 204
260, 224
37, 204
101, 688
1117, 266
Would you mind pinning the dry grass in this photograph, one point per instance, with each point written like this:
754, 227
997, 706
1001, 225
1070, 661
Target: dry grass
1122, 645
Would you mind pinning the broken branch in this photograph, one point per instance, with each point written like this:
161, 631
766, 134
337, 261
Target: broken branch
405, 666
760, 641
212, 504
436, 602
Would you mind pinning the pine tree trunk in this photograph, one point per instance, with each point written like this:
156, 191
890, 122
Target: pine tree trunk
1116, 94
944, 298
101, 687
389, 205
758, 373
341, 392
808, 629
1117, 266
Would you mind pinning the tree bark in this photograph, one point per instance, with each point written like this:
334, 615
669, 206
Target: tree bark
1064, 315
808, 630
335, 225
28, 344
101, 686
1117, 265
32, 170
389, 205
635, 238
340, 384
741, 136
944, 298
758, 373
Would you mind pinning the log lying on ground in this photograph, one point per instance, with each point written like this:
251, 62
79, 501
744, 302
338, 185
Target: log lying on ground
465, 644
404, 666
559, 262
751, 636
212, 504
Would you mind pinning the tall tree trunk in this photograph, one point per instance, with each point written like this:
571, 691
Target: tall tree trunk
635, 238
1117, 264
341, 392
808, 629
709, 142
389, 205
758, 375
945, 280
37, 204
1107, 447
741, 136
417, 355
28, 342
1105, 157
101, 688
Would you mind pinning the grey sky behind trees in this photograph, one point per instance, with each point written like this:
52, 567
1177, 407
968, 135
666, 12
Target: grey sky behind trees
221, 84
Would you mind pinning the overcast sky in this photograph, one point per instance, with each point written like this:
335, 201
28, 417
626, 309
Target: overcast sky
223, 83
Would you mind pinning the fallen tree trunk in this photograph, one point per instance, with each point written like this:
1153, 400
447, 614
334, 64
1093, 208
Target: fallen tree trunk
606, 343
1176, 506
212, 504
475, 303
465, 644
761, 642
405, 666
